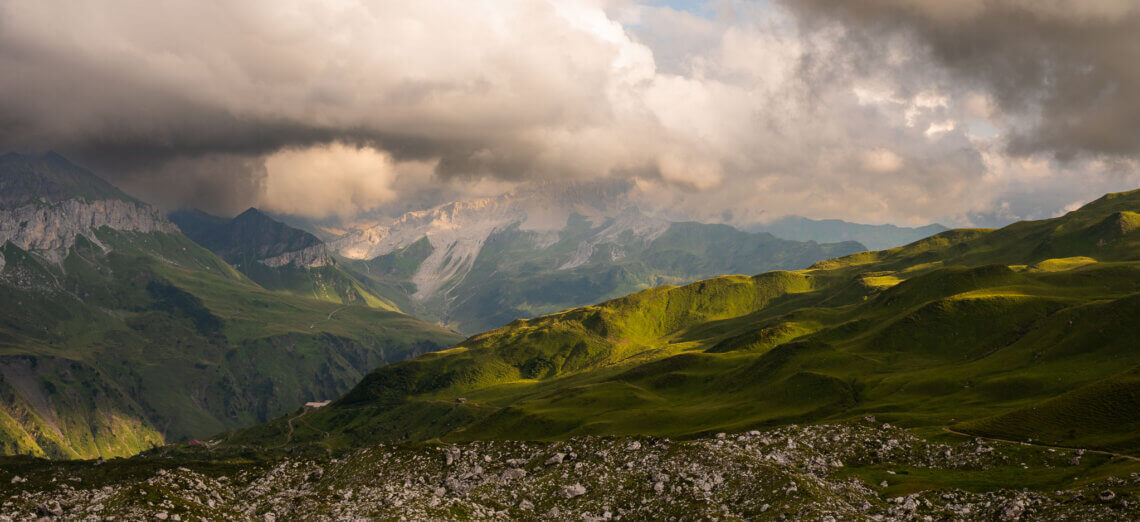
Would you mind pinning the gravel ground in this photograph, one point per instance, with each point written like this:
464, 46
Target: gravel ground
828, 472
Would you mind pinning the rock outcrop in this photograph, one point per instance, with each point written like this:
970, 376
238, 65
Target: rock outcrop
310, 257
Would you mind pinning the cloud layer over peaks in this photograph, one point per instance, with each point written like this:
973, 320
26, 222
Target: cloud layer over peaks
890, 110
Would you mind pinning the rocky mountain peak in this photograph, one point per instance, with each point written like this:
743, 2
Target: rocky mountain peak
27, 179
46, 202
254, 216
253, 236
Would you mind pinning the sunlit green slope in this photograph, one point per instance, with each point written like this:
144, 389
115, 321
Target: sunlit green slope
1026, 331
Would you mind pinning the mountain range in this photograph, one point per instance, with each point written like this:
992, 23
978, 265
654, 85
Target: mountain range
118, 333
874, 237
473, 265
1028, 331
277, 256
479, 264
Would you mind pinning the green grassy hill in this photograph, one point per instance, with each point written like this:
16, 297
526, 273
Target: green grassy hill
329, 283
1026, 331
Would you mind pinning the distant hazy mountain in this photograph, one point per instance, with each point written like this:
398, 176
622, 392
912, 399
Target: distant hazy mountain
874, 237
276, 256
482, 263
117, 332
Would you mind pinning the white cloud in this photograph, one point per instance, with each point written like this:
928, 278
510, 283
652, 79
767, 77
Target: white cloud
939, 127
881, 161
327, 179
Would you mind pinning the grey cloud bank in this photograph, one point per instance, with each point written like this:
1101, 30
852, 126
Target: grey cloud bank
885, 111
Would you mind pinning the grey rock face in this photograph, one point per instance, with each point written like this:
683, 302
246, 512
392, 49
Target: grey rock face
50, 509
1013, 509
311, 257
52, 229
573, 490
450, 455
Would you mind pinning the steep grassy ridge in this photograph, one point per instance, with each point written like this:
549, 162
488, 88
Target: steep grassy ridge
1022, 331
324, 283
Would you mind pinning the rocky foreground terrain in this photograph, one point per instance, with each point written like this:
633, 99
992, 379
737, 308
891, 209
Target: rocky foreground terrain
861, 470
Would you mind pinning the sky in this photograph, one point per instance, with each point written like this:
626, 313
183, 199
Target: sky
968, 113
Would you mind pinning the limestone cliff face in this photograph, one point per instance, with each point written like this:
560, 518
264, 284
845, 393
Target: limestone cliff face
52, 229
311, 257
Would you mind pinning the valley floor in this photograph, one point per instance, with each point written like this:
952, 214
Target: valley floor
849, 471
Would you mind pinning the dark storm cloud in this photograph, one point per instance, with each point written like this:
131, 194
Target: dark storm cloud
1065, 70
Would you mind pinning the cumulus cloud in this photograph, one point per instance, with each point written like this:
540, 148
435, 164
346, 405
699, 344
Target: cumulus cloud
872, 111
311, 181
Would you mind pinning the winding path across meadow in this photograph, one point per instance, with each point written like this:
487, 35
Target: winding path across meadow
329, 318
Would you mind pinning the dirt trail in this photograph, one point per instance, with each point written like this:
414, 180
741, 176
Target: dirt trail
289, 436
1109, 453
329, 318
